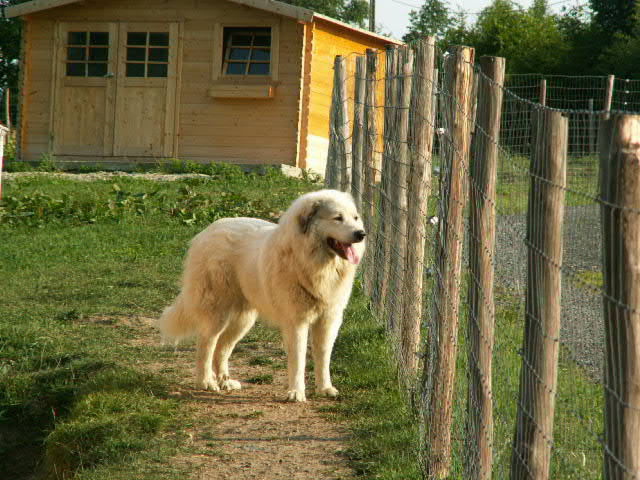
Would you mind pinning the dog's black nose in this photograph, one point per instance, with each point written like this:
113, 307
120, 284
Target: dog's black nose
359, 235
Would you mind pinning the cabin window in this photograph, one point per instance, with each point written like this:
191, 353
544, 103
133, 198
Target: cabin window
247, 51
87, 54
147, 54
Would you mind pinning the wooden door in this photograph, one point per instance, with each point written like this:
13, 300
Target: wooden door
145, 100
84, 95
115, 89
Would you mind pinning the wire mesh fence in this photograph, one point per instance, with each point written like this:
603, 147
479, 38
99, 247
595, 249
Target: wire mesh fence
492, 250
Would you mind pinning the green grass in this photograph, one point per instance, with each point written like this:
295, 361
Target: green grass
512, 188
77, 396
385, 432
576, 454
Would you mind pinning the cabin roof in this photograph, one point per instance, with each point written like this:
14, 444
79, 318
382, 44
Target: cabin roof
280, 8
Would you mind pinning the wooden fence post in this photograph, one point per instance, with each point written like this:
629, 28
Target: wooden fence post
592, 128
608, 98
332, 175
358, 131
419, 189
368, 159
400, 166
533, 438
444, 337
7, 100
383, 237
482, 226
543, 91
343, 143
620, 194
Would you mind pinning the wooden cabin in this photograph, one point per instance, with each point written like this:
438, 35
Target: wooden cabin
124, 82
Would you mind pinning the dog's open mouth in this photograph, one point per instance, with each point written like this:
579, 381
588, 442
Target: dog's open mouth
345, 250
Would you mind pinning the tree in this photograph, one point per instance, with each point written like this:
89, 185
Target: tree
351, 11
615, 16
531, 40
433, 18
10, 40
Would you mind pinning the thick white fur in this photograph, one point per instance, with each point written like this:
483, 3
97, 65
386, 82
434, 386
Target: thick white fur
239, 268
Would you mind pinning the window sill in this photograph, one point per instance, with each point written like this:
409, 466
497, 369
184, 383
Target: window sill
236, 90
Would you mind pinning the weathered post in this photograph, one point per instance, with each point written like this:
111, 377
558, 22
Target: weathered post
398, 220
533, 439
358, 132
368, 159
343, 142
444, 337
383, 232
620, 207
482, 226
419, 189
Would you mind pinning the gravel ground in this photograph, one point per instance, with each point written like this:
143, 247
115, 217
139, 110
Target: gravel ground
582, 328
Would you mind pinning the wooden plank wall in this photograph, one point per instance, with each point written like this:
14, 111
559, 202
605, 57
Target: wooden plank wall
260, 131
328, 41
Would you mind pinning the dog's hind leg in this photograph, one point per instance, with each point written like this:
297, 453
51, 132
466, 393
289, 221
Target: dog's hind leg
211, 330
323, 335
236, 329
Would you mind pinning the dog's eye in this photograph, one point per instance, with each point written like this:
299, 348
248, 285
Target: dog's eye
339, 218
356, 218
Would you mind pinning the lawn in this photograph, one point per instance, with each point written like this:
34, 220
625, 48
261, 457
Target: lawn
81, 396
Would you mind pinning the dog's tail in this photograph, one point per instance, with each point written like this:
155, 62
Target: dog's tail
175, 323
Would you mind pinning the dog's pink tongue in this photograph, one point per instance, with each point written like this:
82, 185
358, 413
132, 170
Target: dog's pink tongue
352, 255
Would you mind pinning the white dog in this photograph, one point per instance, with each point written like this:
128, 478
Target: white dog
297, 274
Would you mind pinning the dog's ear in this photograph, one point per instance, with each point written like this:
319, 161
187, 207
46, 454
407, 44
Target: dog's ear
306, 217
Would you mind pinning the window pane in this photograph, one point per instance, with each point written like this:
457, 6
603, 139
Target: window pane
137, 38
76, 53
158, 54
77, 38
259, 69
157, 70
97, 69
159, 39
238, 40
236, 68
136, 54
99, 38
260, 54
262, 40
239, 54
98, 54
76, 69
135, 69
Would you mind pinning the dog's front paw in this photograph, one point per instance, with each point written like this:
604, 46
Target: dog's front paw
328, 392
230, 384
296, 396
208, 384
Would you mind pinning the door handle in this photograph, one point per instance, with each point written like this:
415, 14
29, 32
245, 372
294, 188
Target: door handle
109, 75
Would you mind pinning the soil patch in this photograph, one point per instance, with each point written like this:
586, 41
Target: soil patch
252, 433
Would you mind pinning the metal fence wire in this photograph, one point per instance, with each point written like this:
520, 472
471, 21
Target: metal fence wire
504, 240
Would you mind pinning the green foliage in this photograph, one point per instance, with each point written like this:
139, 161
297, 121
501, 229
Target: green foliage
615, 17
350, 11
433, 18
264, 379
530, 40
188, 206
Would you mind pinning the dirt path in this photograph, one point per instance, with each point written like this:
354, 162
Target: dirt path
253, 433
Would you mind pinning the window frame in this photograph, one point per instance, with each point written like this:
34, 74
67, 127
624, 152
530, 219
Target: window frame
86, 48
217, 74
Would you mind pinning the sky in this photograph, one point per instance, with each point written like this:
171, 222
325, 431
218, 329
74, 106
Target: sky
393, 15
